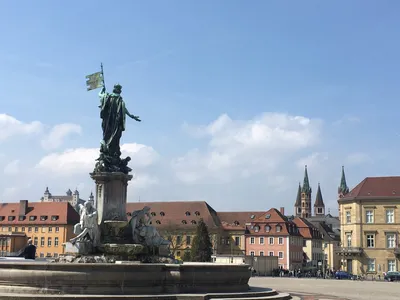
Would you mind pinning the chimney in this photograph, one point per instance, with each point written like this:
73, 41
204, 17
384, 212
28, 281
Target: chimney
282, 210
23, 207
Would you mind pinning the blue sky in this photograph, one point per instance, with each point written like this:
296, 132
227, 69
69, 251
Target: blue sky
183, 64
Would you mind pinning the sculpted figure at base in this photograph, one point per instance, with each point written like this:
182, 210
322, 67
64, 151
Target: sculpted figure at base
87, 230
113, 113
142, 231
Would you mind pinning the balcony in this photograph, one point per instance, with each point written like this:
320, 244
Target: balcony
348, 251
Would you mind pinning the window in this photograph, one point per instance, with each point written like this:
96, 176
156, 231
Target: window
369, 216
267, 228
320, 210
153, 213
41, 255
23, 229
348, 217
35, 241
391, 265
57, 229
371, 265
43, 229
280, 254
188, 240
193, 222
29, 229
55, 255
197, 213
299, 210
252, 253
304, 243
187, 213
348, 238
280, 241
370, 241
271, 253
54, 218
256, 228
56, 242
261, 241
158, 222
43, 218
271, 240
49, 242
42, 242
50, 229
390, 216
237, 240
32, 218
261, 253
21, 218
184, 222
278, 228
9, 229
36, 229
178, 240
162, 214
390, 240
11, 218
16, 229
252, 240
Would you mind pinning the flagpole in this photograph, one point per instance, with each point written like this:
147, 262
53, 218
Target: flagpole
102, 73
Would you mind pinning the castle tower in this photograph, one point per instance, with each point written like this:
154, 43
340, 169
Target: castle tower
343, 189
69, 193
91, 199
297, 205
75, 198
46, 195
319, 206
306, 196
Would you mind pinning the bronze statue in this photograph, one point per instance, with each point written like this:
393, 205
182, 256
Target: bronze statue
113, 113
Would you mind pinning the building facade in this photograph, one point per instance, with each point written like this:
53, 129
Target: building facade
272, 234
49, 225
370, 224
72, 198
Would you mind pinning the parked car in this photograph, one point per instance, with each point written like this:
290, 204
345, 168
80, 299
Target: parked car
392, 276
343, 275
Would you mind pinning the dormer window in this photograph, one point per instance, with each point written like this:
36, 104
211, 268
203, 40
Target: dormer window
153, 213
187, 213
11, 218
162, 214
54, 218
43, 218
193, 222
158, 222
21, 218
236, 223
256, 228
2, 218
267, 228
197, 213
32, 218
252, 216
184, 222
278, 228
268, 216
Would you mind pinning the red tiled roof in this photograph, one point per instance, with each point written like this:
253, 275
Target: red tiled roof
178, 214
307, 230
236, 220
63, 210
376, 187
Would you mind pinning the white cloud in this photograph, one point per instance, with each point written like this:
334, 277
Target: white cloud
10, 127
314, 160
358, 158
58, 133
238, 148
82, 160
347, 119
12, 167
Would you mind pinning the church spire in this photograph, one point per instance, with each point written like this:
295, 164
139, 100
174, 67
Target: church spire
306, 183
319, 206
297, 204
343, 189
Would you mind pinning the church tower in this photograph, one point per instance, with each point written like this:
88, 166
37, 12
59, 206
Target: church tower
343, 189
319, 206
306, 196
297, 205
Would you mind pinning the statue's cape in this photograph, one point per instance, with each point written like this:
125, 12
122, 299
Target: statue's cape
113, 114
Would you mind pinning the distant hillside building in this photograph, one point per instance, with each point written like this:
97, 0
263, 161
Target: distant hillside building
70, 197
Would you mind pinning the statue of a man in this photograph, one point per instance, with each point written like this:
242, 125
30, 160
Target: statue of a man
113, 113
87, 229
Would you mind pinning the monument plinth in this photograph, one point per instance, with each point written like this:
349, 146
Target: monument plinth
111, 195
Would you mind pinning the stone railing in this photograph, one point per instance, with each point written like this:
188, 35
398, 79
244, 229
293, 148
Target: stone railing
349, 250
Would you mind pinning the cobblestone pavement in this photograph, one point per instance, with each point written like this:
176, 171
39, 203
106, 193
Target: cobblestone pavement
327, 289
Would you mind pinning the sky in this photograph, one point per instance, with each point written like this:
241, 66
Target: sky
235, 97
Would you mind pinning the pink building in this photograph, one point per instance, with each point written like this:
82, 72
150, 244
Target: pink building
271, 233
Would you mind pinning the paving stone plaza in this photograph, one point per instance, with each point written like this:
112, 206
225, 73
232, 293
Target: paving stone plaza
319, 289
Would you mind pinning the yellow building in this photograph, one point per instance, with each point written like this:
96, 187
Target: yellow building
370, 224
48, 224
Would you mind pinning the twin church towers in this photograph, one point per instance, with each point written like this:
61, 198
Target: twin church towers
303, 206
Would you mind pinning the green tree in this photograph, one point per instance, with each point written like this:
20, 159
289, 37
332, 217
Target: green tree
201, 246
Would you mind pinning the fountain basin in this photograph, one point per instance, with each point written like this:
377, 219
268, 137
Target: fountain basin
123, 249
121, 279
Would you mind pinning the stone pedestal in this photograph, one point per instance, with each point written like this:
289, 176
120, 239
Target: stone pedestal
111, 195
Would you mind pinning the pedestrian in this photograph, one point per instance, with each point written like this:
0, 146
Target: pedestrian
30, 251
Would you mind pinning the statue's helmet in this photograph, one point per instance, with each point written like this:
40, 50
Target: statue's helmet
117, 89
